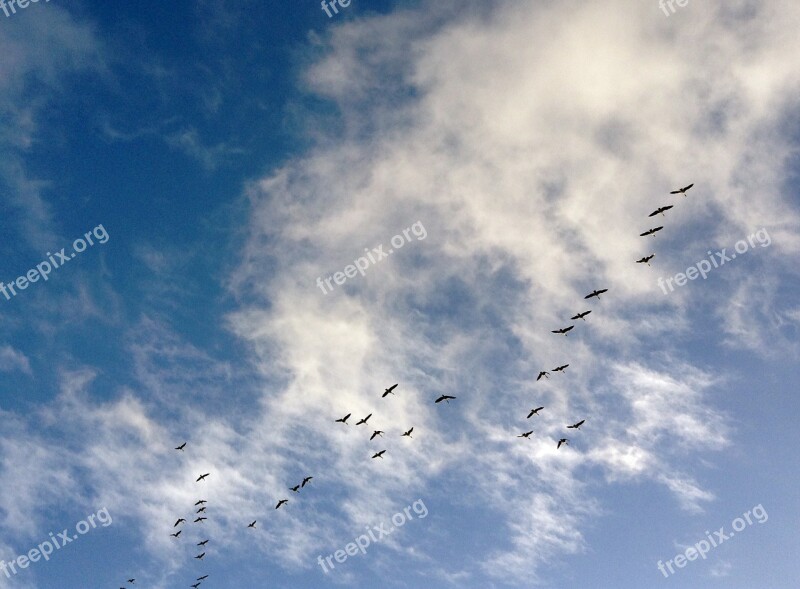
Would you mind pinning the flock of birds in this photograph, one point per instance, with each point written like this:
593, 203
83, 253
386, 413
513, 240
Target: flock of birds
582, 315
201, 503
378, 432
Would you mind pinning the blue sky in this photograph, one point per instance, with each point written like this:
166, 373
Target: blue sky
225, 155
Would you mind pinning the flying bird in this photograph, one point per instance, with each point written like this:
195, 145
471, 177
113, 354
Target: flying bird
180, 521
202, 578
200, 519
253, 524
562, 441
660, 211
364, 420
305, 481
281, 502
596, 293
445, 398
651, 231
646, 259
344, 419
682, 190
195, 585
202, 477
580, 316
200, 502
379, 454
201, 510
525, 435
176, 534
534, 412
389, 390
181, 447
200, 556
561, 368
408, 433
543, 373
296, 488
576, 425
377, 432
203, 543
564, 330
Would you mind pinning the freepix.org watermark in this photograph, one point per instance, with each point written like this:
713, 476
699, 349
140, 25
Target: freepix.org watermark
361, 264
44, 268
20, 3
663, 4
704, 546
363, 541
703, 267
56, 542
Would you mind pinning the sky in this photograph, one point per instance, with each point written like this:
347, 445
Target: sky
232, 223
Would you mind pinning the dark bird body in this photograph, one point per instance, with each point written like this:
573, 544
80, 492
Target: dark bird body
652, 231
646, 259
660, 211
534, 412
564, 330
596, 293
682, 190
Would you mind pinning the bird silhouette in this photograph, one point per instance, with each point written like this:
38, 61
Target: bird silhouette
200, 502
176, 534
660, 211
543, 373
580, 316
561, 368
682, 190
344, 419
281, 502
534, 412
306, 480
200, 519
576, 425
596, 293
564, 330
646, 259
195, 585
201, 510
203, 543
652, 231
200, 556
525, 435
202, 578
202, 477
180, 521
379, 454
181, 447
408, 433
253, 524
562, 441
377, 432
296, 488
364, 420
445, 398
389, 391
